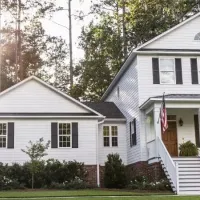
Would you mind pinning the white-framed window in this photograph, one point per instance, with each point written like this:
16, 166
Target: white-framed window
110, 136
167, 71
65, 135
3, 135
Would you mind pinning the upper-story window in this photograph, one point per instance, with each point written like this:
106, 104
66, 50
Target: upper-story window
197, 36
167, 71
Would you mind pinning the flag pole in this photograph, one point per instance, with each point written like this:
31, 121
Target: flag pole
160, 110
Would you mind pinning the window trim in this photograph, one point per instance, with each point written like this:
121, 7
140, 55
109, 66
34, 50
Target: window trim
70, 135
5, 135
110, 136
172, 58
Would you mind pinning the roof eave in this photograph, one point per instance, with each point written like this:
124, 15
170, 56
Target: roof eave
150, 101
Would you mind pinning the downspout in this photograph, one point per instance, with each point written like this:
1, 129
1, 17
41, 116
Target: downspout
97, 150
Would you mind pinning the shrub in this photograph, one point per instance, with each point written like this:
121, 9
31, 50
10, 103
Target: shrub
50, 174
114, 176
188, 149
142, 183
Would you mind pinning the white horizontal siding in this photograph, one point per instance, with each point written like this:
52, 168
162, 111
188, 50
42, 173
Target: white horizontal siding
146, 87
35, 97
32, 130
128, 103
181, 38
121, 149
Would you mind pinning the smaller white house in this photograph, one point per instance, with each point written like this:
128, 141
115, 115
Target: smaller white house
32, 109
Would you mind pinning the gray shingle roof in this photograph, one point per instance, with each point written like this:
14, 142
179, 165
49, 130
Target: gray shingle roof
108, 109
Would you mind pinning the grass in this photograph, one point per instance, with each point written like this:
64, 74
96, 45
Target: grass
90, 194
70, 193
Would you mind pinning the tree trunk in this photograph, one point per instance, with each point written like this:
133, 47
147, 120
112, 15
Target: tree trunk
32, 182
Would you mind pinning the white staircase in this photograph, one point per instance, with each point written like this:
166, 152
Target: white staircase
188, 175
183, 173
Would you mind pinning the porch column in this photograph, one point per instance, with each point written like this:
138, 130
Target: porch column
157, 125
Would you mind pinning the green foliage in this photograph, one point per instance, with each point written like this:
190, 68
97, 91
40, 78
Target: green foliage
142, 183
188, 149
40, 52
104, 40
36, 151
114, 176
50, 174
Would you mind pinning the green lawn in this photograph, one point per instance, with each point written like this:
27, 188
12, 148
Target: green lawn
83, 195
68, 193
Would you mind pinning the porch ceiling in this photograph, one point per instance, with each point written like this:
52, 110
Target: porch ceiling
174, 101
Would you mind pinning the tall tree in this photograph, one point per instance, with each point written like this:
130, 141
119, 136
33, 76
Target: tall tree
36, 52
122, 25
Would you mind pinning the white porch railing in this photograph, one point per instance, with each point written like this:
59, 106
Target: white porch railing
168, 162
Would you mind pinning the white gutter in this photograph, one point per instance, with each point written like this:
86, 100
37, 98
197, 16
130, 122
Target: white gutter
50, 117
169, 52
97, 151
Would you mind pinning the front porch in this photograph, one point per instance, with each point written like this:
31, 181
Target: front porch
183, 125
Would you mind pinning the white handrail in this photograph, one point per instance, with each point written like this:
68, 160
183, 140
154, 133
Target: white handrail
168, 162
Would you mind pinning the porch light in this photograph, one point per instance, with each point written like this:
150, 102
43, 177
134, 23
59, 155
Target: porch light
180, 122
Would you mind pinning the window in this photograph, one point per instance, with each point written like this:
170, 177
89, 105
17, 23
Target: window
197, 36
114, 136
167, 71
64, 135
106, 136
110, 136
3, 135
133, 136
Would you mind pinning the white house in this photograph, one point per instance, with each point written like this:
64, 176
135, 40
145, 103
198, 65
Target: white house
32, 109
126, 121
170, 64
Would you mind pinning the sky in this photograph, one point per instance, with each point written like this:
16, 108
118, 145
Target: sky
61, 17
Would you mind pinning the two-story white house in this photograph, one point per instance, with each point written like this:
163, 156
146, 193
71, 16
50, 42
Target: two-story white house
170, 64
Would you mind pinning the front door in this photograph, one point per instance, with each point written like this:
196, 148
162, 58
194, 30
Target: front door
170, 138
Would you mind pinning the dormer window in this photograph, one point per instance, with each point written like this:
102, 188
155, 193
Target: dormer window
197, 36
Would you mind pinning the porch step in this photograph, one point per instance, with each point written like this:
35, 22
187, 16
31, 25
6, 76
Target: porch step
188, 175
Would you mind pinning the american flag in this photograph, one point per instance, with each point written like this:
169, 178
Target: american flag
163, 115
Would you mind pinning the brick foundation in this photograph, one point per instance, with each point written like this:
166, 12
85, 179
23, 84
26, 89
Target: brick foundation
152, 171
91, 178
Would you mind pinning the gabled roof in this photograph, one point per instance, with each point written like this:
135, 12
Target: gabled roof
167, 32
135, 51
108, 109
54, 90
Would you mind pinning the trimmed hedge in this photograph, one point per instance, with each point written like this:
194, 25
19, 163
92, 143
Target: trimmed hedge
51, 174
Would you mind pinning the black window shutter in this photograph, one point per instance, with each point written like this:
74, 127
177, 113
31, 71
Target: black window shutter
74, 135
54, 135
155, 68
196, 126
11, 135
131, 144
134, 136
179, 79
194, 71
